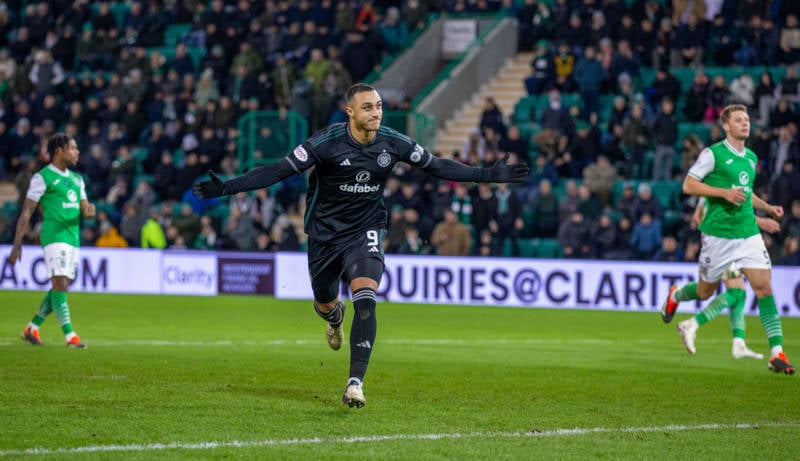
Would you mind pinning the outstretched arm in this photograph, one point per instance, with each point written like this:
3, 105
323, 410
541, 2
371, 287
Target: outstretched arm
500, 172
258, 178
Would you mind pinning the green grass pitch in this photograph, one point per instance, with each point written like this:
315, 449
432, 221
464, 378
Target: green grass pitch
236, 377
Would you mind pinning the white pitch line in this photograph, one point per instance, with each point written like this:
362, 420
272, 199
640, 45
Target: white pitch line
578, 431
405, 342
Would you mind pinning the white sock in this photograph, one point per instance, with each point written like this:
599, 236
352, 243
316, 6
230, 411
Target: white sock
775, 351
71, 335
358, 381
739, 341
33, 326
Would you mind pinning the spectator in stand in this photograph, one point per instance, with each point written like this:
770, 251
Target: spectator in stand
588, 75
636, 138
790, 225
665, 85
24, 145
646, 42
568, 203
598, 27
718, 97
791, 252
574, 33
545, 209
451, 237
724, 40
414, 13
442, 197
781, 116
691, 39
461, 203
665, 132
130, 226
412, 243
665, 52
507, 218
359, 56
753, 50
393, 30
603, 234
691, 250
790, 40
646, 203
514, 143
573, 236
492, 117
588, 204
624, 62
690, 150
600, 178
240, 232
555, 117
152, 234
46, 74
484, 208
785, 187
743, 91
543, 74
789, 87
646, 237
564, 65
584, 148
764, 97
669, 251
784, 148
187, 222
109, 237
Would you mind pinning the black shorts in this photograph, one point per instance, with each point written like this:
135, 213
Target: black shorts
361, 256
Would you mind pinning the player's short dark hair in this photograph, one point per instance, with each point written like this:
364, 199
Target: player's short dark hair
358, 88
58, 141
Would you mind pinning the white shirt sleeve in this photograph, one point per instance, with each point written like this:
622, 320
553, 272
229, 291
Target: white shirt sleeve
703, 165
36, 188
83, 190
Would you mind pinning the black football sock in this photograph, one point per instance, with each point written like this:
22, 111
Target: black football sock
362, 335
335, 316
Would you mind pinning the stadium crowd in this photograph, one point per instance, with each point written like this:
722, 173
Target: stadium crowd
153, 112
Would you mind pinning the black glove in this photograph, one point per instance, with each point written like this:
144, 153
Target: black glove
503, 172
209, 189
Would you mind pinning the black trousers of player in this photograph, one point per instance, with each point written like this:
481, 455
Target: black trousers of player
330, 263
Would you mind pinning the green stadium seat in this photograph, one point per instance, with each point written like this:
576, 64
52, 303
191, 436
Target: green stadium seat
522, 110
667, 193
670, 221
528, 247
701, 129
175, 33
549, 248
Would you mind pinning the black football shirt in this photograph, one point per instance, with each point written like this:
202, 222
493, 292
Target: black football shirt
345, 195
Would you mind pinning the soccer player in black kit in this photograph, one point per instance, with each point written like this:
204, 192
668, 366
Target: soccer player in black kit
346, 217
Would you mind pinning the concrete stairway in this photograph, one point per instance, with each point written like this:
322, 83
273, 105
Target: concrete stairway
506, 87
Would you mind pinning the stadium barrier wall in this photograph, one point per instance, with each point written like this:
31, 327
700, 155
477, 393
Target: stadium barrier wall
504, 282
527, 283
